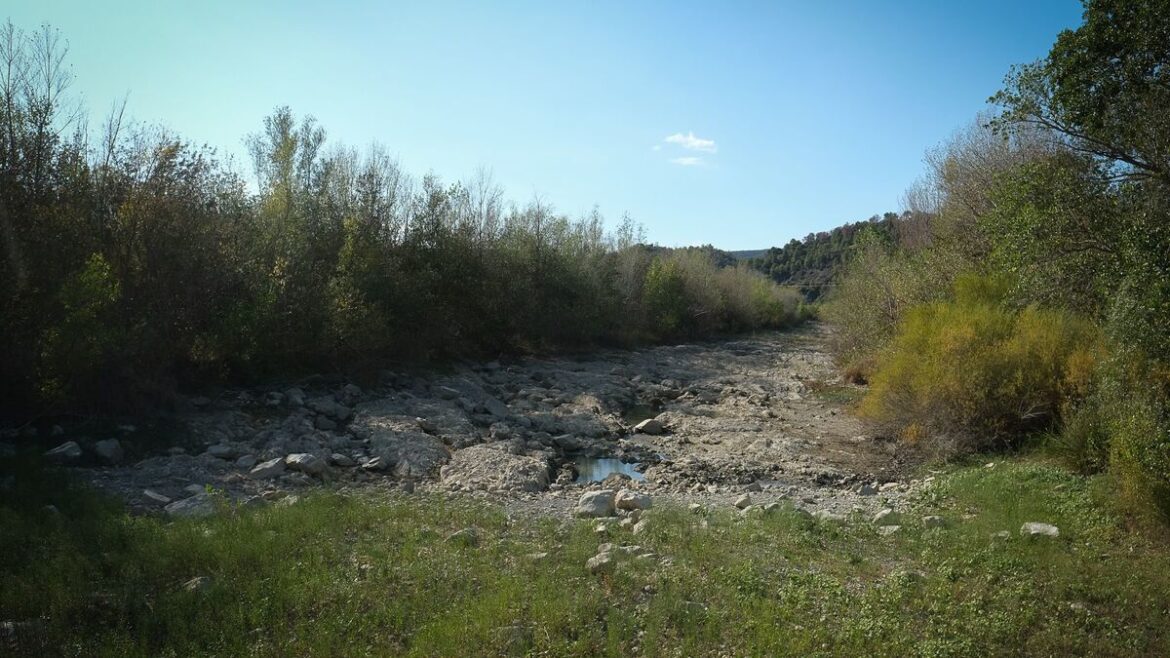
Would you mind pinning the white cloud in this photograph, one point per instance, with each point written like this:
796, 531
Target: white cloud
692, 143
656, 147
687, 161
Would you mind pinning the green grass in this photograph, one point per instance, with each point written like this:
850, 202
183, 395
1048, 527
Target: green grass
337, 575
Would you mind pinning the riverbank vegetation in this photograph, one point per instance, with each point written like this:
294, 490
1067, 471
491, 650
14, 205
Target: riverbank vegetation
135, 263
1029, 290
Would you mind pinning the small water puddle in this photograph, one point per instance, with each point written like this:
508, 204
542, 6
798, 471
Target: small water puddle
596, 469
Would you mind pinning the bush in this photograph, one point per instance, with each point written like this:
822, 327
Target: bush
975, 373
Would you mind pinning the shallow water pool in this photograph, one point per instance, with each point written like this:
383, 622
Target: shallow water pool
596, 469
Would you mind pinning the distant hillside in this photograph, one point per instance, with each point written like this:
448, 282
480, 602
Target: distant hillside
750, 254
812, 264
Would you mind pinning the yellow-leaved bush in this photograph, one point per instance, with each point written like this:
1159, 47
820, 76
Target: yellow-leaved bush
974, 372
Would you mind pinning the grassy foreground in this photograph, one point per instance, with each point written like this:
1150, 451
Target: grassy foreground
337, 575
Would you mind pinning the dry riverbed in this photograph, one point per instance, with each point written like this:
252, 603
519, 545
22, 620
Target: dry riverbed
760, 415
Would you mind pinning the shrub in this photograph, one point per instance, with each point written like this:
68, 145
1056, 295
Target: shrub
974, 372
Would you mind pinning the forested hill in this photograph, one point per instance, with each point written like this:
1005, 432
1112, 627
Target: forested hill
811, 264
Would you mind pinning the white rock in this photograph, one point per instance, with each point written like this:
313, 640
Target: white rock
269, 469
594, 504
156, 496
649, 426
1035, 529
66, 453
887, 530
886, 516
306, 463
632, 500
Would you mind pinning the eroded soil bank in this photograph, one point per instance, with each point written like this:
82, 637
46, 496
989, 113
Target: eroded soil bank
761, 415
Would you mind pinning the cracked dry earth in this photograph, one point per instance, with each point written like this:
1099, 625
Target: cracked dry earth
759, 415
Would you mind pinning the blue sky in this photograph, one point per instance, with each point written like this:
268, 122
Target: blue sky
740, 124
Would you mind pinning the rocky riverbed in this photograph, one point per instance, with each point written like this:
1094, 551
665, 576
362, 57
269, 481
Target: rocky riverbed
703, 424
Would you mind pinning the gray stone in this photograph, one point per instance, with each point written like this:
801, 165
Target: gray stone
246, 461
445, 392
887, 530
934, 521
600, 563
466, 537
269, 469
867, 490
743, 501
376, 464
306, 463
224, 451
1035, 529
156, 496
343, 461
295, 397
495, 407
886, 516
595, 504
109, 451
66, 453
323, 423
649, 426
754, 487
197, 506
632, 500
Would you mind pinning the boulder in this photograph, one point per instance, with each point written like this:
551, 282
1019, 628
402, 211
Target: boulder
268, 469
66, 453
1034, 529
398, 441
468, 537
632, 500
344, 461
197, 506
743, 501
295, 397
649, 426
109, 451
493, 467
223, 451
600, 563
307, 463
595, 504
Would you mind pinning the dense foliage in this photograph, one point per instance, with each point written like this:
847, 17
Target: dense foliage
1065, 195
133, 262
